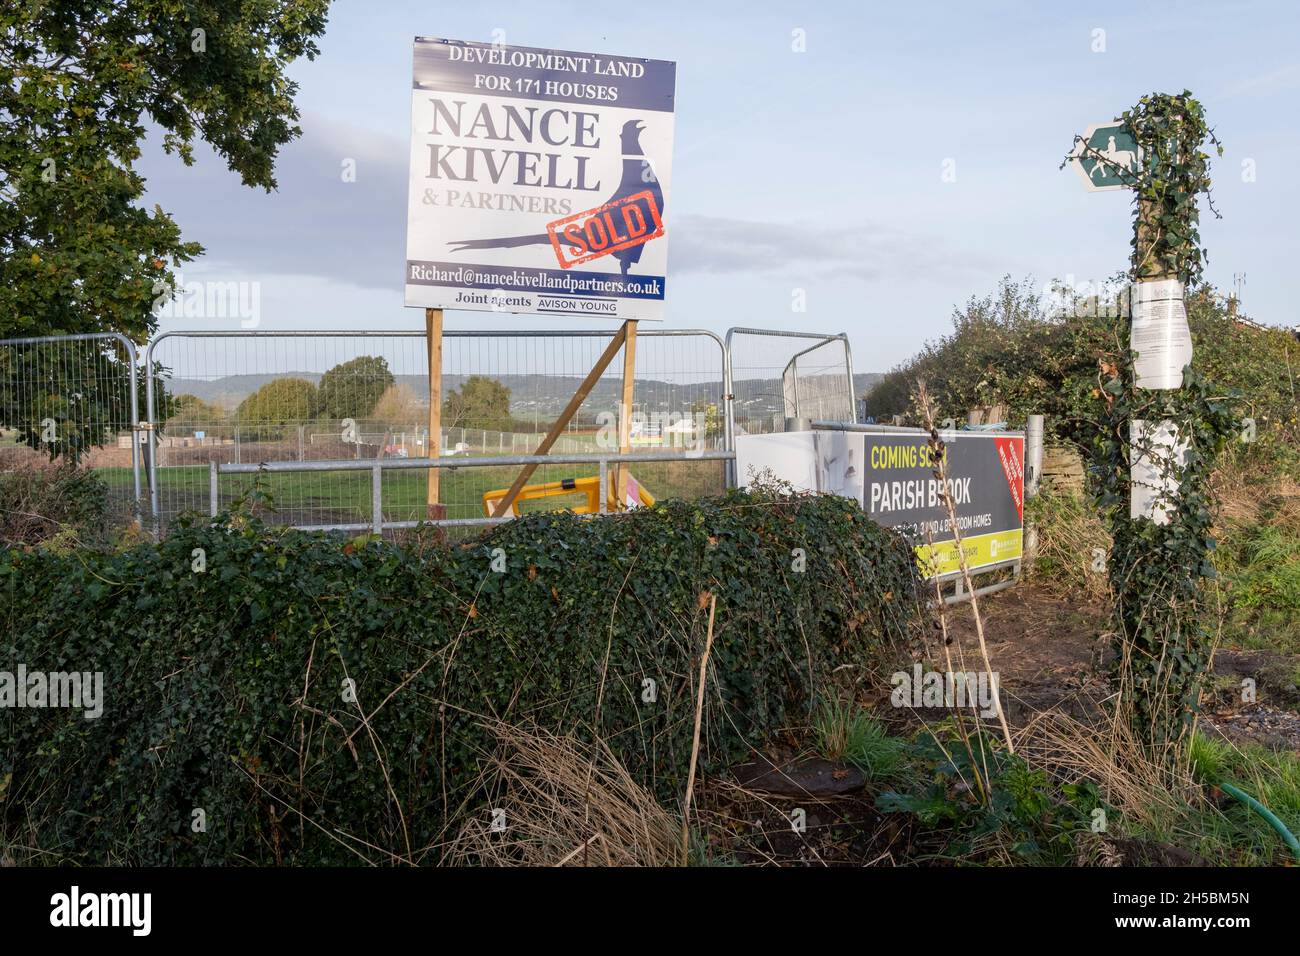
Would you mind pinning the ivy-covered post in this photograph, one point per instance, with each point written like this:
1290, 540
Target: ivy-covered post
1159, 436
1160, 341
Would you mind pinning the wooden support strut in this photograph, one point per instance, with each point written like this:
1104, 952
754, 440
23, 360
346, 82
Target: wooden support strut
557, 429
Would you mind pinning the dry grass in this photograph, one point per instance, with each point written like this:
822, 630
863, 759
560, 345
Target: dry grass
53, 504
1236, 500
1070, 531
1111, 757
558, 801
1069, 536
1166, 816
1250, 501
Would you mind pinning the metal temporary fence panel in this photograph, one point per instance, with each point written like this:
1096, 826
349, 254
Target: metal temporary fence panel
252, 397
379, 521
73, 398
777, 378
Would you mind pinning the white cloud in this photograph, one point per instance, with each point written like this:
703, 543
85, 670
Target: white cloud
1283, 78
314, 224
868, 252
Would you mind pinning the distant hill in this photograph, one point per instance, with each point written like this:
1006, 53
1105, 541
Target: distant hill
230, 390
541, 395
864, 382
530, 394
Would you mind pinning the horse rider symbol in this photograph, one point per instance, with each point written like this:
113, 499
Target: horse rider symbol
1124, 159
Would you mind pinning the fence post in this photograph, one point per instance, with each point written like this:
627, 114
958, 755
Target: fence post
604, 485
1033, 454
377, 497
212, 487
794, 381
728, 411
151, 442
848, 361
133, 360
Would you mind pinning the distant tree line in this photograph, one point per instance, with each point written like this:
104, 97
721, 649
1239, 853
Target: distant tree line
363, 389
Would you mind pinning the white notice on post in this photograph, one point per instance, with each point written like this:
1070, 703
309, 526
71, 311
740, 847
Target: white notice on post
1160, 336
1156, 458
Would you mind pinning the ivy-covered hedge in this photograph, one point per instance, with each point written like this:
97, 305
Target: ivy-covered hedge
226, 689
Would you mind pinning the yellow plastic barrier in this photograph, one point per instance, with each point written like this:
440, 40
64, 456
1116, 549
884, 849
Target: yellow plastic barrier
589, 487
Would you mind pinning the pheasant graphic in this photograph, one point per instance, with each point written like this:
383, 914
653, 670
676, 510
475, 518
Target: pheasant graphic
638, 177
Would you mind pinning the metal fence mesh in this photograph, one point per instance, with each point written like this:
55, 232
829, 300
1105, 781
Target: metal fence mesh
779, 376
73, 398
254, 397
262, 397
819, 382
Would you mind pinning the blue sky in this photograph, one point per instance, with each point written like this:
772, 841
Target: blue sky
819, 171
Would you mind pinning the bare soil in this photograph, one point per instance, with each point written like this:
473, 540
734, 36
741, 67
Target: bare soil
1050, 652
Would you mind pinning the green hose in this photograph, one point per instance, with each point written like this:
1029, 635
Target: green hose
1287, 836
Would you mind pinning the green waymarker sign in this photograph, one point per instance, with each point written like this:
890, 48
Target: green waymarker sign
1106, 156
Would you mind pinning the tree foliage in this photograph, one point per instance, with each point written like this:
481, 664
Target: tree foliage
353, 388
192, 410
1005, 348
399, 408
480, 402
80, 81
64, 398
278, 402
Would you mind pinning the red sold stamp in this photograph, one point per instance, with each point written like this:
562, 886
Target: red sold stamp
620, 224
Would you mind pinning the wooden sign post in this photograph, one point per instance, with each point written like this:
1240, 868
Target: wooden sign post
433, 444
625, 410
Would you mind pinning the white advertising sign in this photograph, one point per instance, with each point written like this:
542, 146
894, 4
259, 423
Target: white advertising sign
785, 456
539, 181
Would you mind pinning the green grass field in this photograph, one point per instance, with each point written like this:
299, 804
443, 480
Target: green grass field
343, 497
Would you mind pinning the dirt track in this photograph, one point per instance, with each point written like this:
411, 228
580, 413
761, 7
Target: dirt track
1049, 652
